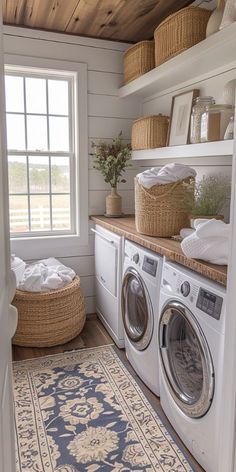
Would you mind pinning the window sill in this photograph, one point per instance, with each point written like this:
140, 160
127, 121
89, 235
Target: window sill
53, 246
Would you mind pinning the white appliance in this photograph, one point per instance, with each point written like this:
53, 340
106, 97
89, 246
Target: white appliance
140, 302
108, 273
191, 339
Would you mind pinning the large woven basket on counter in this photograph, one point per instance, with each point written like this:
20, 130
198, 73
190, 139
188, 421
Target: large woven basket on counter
179, 32
138, 60
149, 132
49, 318
158, 209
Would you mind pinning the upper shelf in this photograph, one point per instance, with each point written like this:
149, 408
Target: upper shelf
215, 52
216, 148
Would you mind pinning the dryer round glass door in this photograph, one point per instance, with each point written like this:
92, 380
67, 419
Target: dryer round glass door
186, 360
136, 310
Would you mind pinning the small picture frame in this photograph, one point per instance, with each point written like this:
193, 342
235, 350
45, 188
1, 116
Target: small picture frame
181, 109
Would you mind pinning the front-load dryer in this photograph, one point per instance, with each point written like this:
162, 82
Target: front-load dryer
191, 340
140, 301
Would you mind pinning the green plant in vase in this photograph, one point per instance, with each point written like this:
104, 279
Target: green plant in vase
111, 159
207, 197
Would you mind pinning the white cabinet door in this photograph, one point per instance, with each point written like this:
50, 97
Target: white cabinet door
7, 457
106, 260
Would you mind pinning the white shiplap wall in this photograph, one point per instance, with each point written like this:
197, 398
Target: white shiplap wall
107, 116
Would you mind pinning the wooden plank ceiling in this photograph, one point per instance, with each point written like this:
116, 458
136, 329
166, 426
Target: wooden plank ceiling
123, 20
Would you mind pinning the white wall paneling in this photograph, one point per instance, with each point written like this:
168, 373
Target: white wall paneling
100, 127
112, 106
104, 83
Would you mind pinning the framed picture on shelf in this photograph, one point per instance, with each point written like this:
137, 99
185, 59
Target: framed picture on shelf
181, 109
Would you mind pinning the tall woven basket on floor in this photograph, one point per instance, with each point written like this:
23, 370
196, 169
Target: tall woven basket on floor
158, 209
49, 318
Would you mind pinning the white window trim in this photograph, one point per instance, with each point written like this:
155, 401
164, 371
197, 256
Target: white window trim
45, 246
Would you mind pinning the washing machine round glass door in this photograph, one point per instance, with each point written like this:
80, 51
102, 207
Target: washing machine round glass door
136, 310
186, 360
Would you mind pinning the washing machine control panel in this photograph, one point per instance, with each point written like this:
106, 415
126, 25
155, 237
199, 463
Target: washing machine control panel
209, 303
149, 265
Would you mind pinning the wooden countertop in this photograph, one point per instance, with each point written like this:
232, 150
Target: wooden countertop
166, 247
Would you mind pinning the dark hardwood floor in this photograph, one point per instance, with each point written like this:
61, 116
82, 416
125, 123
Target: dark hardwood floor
94, 335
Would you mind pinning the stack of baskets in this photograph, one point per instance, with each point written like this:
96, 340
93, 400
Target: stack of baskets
174, 35
158, 210
49, 318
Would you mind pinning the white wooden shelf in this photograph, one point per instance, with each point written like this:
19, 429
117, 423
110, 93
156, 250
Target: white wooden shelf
216, 148
213, 55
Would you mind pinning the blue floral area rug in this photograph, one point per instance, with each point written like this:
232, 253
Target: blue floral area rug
82, 411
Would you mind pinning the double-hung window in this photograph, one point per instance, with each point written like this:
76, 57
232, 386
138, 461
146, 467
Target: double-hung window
41, 153
45, 158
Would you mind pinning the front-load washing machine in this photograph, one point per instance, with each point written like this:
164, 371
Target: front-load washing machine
191, 340
140, 301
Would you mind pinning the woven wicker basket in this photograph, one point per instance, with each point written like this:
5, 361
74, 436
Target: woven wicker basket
179, 32
51, 318
158, 209
138, 60
150, 132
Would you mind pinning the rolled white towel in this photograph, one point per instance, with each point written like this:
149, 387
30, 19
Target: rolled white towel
210, 242
184, 232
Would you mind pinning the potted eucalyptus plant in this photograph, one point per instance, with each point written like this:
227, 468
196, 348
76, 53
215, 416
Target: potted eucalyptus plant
207, 198
111, 159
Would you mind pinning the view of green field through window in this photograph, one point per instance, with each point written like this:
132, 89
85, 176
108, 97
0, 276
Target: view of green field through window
39, 153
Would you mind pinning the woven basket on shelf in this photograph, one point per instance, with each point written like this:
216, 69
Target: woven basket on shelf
179, 32
138, 60
158, 209
149, 132
49, 318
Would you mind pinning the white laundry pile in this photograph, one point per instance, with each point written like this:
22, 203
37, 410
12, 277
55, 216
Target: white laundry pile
167, 174
209, 241
45, 275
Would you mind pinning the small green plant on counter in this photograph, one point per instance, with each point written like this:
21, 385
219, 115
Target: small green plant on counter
112, 159
208, 196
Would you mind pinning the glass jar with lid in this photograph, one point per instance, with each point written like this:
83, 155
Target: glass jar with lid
198, 108
214, 121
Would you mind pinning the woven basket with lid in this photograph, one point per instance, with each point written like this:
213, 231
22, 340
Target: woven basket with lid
180, 31
149, 132
49, 318
158, 209
138, 60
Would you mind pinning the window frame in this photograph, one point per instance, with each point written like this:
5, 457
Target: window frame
43, 245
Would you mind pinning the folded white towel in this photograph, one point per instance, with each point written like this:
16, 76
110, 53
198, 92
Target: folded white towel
210, 241
45, 275
186, 232
167, 174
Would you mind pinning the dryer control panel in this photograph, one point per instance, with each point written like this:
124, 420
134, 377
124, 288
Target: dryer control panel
209, 303
150, 265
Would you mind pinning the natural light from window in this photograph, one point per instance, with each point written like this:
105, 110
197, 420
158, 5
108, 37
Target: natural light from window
41, 156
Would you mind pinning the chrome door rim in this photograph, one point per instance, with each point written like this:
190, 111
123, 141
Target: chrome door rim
202, 405
143, 341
